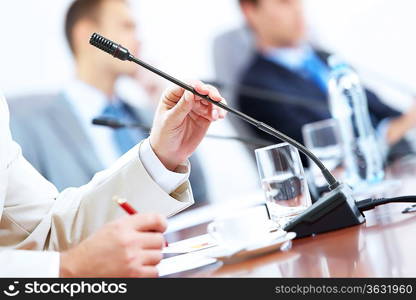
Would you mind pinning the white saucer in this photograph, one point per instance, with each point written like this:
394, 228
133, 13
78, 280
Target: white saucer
228, 256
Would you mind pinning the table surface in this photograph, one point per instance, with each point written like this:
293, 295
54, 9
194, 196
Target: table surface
384, 246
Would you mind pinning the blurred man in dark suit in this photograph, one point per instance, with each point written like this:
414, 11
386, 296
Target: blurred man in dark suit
63, 131
287, 64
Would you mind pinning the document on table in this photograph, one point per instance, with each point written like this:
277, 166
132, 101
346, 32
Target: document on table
191, 245
191, 255
184, 262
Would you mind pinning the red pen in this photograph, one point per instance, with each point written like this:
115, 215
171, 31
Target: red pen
128, 208
125, 205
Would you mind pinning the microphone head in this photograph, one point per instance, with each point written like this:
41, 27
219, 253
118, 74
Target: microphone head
110, 47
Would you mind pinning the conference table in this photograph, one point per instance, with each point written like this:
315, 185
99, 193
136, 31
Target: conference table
384, 246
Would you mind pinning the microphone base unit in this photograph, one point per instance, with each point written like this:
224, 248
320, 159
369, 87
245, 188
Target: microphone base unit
335, 210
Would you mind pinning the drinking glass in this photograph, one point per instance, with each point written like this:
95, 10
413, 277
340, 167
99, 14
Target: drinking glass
324, 140
283, 181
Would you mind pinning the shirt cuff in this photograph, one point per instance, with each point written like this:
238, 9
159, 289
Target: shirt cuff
169, 181
29, 263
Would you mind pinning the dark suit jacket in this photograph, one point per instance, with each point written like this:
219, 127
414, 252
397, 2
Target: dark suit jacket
289, 118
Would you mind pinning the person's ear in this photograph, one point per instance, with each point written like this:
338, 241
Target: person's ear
81, 35
249, 10
245, 8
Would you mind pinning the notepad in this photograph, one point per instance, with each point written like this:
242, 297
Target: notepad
182, 263
191, 245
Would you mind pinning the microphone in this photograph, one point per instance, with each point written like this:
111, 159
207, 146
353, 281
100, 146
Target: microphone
110, 47
335, 210
115, 124
122, 53
108, 123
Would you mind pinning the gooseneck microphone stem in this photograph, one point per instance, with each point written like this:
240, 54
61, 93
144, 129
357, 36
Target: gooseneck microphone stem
122, 53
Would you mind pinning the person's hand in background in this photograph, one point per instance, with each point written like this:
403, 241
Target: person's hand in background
128, 247
399, 126
181, 122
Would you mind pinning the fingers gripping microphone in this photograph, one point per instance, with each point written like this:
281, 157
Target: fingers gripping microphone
336, 210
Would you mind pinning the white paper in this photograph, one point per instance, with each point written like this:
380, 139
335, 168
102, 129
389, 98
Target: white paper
191, 245
183, 263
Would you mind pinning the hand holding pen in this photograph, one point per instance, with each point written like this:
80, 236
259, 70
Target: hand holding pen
130, 246
128, 208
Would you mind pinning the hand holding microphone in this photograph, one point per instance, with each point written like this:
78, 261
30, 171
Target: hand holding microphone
181, 122
119, 52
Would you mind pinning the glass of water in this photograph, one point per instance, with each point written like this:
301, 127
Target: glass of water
324, 140
283, 181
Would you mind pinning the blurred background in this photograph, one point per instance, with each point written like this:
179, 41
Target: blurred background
375, 36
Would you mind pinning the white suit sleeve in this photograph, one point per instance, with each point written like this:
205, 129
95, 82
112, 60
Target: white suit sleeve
32, 212
35, 211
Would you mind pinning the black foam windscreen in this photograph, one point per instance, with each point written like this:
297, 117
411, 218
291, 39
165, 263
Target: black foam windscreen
110, 47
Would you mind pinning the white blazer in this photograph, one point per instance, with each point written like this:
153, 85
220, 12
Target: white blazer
34, 217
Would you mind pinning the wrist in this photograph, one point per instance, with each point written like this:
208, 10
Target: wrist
166, 161
169, 160
71, 262
66, 266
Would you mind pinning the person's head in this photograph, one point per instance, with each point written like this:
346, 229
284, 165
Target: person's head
276, 23
110, 18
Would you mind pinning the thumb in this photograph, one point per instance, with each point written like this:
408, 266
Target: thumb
183, 107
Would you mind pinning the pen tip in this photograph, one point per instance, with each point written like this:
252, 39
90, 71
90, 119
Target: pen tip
119, 200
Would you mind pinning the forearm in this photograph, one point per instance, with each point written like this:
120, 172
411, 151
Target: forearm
59, 221
128, 178
398, 127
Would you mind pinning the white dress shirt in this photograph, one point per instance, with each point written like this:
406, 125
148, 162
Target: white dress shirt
89, 103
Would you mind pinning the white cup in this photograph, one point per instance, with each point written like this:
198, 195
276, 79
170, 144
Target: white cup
240, 229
